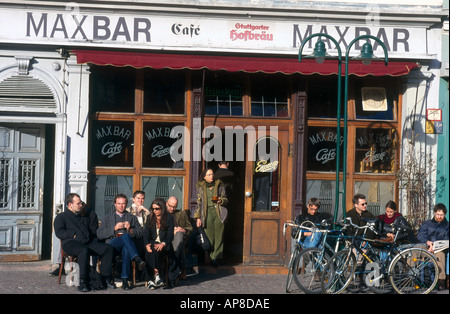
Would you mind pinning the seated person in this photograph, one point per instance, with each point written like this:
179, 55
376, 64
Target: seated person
118, 229
386, 225
158, 237
77, 233
433, 230
312, 214
182, 229
138, 209
357, 213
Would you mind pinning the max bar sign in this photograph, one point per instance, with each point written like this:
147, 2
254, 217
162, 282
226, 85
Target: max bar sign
72, 26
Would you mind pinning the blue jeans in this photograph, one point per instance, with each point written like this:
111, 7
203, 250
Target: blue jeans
312, 240
125, 245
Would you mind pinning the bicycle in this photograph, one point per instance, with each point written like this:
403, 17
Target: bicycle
410, 270
296, 250
306, 265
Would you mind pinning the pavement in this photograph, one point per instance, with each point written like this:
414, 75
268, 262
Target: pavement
34, 278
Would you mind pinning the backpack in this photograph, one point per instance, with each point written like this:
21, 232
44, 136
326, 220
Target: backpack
95, 280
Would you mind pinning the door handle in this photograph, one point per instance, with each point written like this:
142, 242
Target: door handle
248, 194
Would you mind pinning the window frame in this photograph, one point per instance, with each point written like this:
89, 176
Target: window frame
352, 124
139, 117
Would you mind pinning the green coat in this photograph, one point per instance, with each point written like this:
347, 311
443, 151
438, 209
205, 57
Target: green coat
202, 203
182, 220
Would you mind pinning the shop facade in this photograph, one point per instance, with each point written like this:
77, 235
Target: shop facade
101, 101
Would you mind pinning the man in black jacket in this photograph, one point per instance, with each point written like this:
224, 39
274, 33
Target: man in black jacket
78, 237
357, 213
310, 239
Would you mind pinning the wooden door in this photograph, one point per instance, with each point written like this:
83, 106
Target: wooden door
266, 201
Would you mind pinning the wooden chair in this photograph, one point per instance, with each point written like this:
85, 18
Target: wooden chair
133, 268
71, 259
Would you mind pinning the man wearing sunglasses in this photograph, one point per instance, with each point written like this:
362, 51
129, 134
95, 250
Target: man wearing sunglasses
358, 212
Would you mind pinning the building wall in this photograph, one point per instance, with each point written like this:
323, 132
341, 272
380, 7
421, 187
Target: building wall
288, 21
442, 173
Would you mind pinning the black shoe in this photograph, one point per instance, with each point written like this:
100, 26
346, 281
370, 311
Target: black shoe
108, 282
83, 287
126, 285
140, 263
214, 263
169, 286
56, 271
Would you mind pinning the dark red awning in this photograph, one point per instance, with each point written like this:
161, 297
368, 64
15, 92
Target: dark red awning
235, 64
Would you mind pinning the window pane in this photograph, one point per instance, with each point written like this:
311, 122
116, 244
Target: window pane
5, 166
321, 154
112, 143
112, 89
377, 194
105, 188
374, 103
163, 187
325, 191
322, 98
266, 176
375, 150
158, 139
223, 94
269, 96
27, 184
164, 92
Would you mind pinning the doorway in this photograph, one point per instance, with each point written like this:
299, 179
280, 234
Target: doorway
234, 226
258, 204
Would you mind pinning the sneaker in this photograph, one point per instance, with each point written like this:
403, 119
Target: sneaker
158, 282
151, 285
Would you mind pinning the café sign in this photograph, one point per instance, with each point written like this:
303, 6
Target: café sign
83, 28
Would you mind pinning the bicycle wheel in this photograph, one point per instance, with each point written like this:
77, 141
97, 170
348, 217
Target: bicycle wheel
376, 277
339, 272
413, 271
294, 255
308, 268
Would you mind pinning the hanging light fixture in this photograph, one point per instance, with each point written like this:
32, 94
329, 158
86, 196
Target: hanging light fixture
366, 54
320, 51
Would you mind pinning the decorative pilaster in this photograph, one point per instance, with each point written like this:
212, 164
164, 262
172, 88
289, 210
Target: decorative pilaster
300, 149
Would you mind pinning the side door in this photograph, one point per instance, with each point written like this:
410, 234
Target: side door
21, 191
266, 201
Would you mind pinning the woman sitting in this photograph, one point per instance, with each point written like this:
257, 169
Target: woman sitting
158, 236
388, 224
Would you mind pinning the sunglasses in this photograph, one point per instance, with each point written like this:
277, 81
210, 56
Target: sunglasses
156, 208
363, 204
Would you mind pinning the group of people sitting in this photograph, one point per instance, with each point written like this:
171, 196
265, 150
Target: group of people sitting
154, 239
435, 229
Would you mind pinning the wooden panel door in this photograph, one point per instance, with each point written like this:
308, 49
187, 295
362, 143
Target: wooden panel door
266, 201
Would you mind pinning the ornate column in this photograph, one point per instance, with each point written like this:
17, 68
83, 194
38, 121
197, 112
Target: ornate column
77, 127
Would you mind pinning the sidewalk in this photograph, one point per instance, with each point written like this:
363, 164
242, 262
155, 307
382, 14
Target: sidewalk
34, 278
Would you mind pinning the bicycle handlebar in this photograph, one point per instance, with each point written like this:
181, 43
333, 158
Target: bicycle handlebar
303, 227
348, 221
